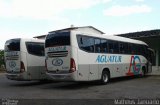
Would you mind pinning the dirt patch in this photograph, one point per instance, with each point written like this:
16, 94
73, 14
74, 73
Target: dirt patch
2, 70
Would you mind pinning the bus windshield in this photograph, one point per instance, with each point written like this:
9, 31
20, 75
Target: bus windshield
57, 39
12, 45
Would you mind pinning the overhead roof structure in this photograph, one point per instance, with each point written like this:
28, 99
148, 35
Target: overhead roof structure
40, 36
71, 28
152, 38
142, 34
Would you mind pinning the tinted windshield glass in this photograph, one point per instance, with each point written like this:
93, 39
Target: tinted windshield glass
12, 45
58, 39
35, 48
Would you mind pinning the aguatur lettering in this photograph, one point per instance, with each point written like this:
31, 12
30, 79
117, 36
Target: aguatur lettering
107, 59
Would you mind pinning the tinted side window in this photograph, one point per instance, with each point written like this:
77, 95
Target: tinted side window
123, 47
97, 45
139, 49
35, 48
116, 47
86, 43
134, 49
126, 48
104, 46
113, 47
130, 48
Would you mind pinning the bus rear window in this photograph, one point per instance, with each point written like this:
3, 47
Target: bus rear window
12, 45
57, 39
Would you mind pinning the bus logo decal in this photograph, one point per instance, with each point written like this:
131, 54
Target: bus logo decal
109, 59
135, 66
57, 62
12, 64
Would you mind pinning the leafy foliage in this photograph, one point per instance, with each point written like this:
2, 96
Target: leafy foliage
1, 57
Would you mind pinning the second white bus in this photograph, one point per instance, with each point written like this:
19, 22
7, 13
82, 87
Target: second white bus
24, 59
76, 56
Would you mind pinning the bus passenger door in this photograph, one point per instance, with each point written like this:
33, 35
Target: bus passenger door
35, 60
87, 70
83, 66
93, 72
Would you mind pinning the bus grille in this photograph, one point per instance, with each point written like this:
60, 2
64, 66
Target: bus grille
58, 54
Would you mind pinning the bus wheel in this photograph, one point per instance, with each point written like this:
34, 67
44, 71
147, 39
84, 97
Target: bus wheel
105, 77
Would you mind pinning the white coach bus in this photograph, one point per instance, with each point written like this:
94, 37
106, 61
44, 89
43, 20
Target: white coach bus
75, 56
24, 59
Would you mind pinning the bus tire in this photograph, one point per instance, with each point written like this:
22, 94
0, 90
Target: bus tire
105, 77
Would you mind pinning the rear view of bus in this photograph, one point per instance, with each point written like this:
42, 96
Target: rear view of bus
12, 56
59, 62
24, 59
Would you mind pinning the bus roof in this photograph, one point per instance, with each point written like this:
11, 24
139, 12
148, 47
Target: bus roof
119, 38
29, 39
123, 39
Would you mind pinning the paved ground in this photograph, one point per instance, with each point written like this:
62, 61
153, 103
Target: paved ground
128, 88
2, 70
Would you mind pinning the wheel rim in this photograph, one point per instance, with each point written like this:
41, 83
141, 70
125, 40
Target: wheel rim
105, 78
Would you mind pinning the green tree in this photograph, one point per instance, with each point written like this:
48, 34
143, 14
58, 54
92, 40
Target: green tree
1, 57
